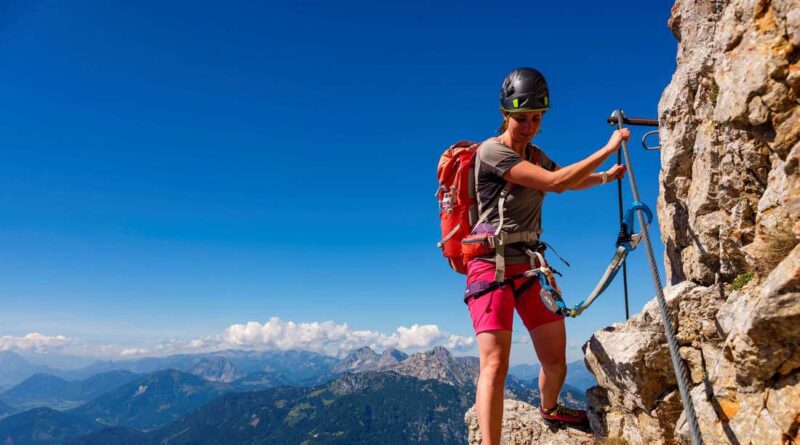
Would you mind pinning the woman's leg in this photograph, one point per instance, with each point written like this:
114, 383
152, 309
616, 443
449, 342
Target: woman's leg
550, 343
494, 348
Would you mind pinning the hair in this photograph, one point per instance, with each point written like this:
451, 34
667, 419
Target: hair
504, 125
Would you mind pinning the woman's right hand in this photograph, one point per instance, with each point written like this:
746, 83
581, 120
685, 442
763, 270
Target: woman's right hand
617, 137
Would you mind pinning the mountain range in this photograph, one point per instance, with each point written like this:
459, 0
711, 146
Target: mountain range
41, 426
152, 401
299, 367
277, 398
371, 407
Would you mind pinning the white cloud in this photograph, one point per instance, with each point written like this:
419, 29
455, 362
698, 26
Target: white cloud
326, 337
329, 337
424, 337
33, 342
198, 345
133, 351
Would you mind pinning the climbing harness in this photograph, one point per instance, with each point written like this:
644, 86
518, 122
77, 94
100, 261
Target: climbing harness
618, 118
540, 270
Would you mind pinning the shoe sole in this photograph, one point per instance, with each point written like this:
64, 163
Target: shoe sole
561, 424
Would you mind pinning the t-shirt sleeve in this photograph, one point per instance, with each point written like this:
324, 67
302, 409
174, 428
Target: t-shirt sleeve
497, 158
545, 162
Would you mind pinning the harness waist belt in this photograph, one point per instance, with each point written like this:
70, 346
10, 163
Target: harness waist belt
504, 239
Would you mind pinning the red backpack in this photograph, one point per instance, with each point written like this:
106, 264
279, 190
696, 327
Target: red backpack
458, 207
458, 210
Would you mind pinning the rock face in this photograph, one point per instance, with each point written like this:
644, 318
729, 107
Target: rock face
365, 359
216, 369
438, 364
522, 425
729, 213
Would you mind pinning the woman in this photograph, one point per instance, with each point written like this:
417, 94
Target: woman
512, 160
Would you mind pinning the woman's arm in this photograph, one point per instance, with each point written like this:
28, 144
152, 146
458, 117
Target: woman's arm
529, 175
589, 181
614, 173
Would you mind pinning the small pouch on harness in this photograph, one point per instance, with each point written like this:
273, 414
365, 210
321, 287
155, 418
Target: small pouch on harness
479, 243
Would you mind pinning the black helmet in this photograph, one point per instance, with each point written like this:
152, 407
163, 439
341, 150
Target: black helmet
524, 89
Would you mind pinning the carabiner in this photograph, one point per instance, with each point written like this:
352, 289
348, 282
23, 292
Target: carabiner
648, 147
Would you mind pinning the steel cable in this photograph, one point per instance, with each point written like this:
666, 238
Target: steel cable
677, 363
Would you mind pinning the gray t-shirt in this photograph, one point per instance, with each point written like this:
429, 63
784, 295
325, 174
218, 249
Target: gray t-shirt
523, 206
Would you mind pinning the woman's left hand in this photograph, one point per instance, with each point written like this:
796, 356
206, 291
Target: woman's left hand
616, 172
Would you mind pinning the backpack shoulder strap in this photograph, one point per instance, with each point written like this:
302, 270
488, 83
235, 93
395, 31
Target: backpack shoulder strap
501, 195
495, 202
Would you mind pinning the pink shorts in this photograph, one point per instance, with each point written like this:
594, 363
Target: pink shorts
495, 310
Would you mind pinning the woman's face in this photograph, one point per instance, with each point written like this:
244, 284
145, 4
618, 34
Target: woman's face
523, 126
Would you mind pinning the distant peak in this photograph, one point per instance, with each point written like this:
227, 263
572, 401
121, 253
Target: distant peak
440, 351
394, 353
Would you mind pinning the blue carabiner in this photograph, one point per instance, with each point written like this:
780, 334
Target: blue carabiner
640, 206
551, 297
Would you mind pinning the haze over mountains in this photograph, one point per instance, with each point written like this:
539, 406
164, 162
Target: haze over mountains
49, 390
253, 397
14, 369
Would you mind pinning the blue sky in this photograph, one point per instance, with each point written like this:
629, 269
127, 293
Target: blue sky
170, 170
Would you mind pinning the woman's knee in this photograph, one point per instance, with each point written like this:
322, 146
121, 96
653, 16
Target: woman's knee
556, 364
494, 348
494, 364
549, 341
494, 370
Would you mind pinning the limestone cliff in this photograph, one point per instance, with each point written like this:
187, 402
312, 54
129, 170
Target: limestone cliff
729, 207
729, 214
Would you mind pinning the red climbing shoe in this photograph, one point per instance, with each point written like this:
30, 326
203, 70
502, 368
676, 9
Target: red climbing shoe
561, 414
